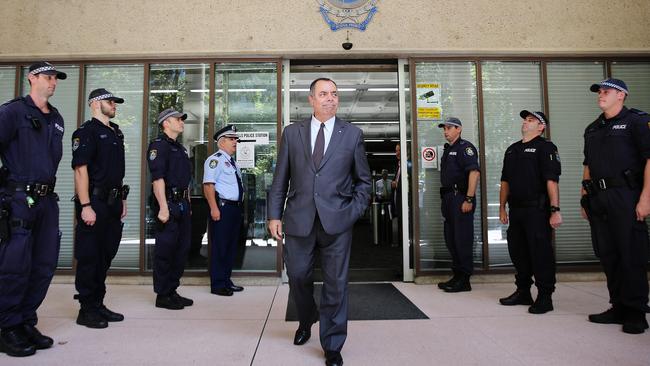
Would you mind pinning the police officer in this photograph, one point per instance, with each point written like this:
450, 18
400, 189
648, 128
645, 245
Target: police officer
617, 188
31, 148
529, 184
223, 189
170, 167
459, 178
100, 205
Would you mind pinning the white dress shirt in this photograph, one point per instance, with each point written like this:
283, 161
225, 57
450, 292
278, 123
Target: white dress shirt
327, 131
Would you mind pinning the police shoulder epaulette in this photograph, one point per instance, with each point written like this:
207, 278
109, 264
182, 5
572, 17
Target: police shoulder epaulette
12, 101
218, 153
157, 139
85, 124
639, 112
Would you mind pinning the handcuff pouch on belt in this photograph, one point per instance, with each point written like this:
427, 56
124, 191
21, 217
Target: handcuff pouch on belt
175, 195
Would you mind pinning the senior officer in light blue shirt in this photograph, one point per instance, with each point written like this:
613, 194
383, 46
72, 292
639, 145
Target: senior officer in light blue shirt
223, 189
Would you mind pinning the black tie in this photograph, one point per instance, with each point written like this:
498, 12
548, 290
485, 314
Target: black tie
239, 184
319, 147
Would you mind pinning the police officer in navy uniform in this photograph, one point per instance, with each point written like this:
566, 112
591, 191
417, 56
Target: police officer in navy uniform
100, 205
223, 189
616, 195
529, 184
31, 149
458, 177
170, 169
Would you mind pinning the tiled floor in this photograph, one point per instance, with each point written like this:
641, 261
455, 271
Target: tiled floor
249, 329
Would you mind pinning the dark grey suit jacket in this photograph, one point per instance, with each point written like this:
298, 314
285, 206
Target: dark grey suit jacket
338, 189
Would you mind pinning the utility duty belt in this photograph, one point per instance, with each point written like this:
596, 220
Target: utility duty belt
110, 194
176, 195
455, 188
629, 179
31, 189
541, 203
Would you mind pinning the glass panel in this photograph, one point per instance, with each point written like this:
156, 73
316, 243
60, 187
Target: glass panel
571, 108
637, 78
458, 98
508, 87
65, 99
246, 96
184, 88
126, 82
7, 83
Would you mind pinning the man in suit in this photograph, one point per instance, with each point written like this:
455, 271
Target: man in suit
322, 172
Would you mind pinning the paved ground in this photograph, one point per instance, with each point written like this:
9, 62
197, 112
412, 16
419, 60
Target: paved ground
249, 329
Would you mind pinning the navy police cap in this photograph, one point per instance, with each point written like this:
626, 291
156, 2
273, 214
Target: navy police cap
103, 94
610, 84
46, 68
451, 121
170, 112
539, 115
228, 131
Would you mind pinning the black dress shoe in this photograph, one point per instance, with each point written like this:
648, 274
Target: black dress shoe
236, 288
519, 297
222, 291
109, 315
333, 358
613, 315
36, 338
91, 319
183, 300
14, 343
542, 304
168, 302
302, 336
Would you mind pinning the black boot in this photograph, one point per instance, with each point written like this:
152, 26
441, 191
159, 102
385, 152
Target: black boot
445, 284
461, 284
183, 300
542, 304
35, 337
519, 297
634, 321
109, 315
91, 319
613, 315
14, 343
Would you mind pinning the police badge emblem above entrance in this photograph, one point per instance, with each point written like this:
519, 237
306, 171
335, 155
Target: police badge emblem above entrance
341, 14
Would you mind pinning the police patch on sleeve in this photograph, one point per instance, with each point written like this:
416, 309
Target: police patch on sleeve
153, 154
469, 151
75, 144
555, 155
213, 163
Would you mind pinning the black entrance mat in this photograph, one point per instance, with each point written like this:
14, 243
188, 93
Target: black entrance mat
370, 301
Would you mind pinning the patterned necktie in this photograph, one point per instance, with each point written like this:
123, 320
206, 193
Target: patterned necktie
240, 186
319, 147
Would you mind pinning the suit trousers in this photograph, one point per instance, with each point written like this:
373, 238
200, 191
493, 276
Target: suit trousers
299, 256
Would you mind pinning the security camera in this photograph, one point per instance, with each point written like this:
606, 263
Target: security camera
347, 46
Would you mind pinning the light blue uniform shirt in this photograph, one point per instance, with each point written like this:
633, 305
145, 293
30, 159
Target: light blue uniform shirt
219, 170
327, 131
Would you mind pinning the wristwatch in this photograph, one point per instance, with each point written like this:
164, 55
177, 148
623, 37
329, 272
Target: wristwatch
470, 199
555, 209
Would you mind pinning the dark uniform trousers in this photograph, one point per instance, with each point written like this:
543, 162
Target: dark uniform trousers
225, 235
530, 248
621, 243
28, 260
299, 256
459, 232
95, 248
172, 246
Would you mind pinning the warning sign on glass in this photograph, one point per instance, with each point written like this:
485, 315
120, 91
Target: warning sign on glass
428, 101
